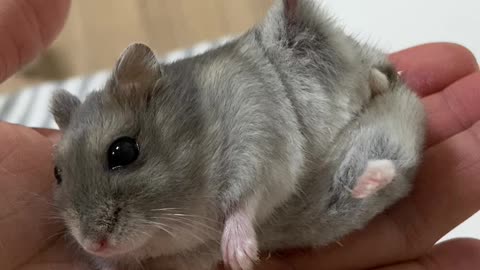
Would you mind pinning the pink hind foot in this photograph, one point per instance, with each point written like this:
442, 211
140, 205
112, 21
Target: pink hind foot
239, 243
377, 175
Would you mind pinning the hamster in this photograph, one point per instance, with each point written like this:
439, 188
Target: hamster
291, 135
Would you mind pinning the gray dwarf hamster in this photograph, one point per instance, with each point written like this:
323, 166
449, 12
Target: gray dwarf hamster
291, 135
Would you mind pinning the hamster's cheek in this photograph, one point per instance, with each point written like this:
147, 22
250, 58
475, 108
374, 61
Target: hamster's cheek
73, 225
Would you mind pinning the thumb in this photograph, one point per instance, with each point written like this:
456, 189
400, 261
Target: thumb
27, 27
52, 134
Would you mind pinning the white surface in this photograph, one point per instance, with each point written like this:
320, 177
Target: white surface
394, 25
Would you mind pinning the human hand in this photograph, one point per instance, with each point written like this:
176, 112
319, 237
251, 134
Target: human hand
27, 27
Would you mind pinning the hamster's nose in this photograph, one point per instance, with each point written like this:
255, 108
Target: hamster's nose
96, 246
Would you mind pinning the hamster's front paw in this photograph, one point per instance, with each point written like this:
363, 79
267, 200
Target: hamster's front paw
239, 243
110, 268
101, 264
377, 175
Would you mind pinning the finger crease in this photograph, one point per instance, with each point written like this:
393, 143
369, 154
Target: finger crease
449, 99
35, 22
429, 262
411, 243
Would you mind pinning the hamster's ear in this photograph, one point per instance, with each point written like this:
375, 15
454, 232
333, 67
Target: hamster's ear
136, 64
296, 21
297, 10
62, 106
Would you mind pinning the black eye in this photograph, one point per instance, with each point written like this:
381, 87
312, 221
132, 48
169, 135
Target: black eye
58, 176
122, 152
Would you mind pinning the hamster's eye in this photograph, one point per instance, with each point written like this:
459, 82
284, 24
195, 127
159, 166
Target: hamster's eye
122, 152
58, 176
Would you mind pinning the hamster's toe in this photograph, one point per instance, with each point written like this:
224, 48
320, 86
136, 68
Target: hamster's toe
377, 175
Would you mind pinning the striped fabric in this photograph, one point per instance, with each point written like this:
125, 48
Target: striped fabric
30, 106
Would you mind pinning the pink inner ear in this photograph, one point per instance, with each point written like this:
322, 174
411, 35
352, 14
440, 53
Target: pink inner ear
290, 7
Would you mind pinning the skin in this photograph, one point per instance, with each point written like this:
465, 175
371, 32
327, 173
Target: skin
445, 194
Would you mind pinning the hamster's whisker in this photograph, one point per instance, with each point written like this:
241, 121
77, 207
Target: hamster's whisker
192, 222
140, 231
52, 220
193, 216
166, 209
190, 231
129, 240
139, 263
41, 198
55, 217
187, 224
161, 226
71, 242
176, 220
57, 234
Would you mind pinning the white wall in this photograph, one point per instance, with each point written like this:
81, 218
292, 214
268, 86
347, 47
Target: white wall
394, 25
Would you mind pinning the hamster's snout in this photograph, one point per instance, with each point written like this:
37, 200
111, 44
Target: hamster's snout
99, 234
107, 230
102, 245
96, 246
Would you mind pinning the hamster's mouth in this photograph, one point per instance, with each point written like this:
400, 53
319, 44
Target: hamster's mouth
108, 246
106, 249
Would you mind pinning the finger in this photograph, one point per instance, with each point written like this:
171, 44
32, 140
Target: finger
432, 67
459, 254
59, 255
27, 26
26, 183
52, 134
446, 192
440, 201
454, 109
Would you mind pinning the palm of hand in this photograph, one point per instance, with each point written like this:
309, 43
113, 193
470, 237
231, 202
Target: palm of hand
445, 193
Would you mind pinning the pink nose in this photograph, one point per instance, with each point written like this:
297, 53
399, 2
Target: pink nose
96, 246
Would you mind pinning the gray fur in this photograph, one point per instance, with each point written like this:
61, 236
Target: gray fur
288, 112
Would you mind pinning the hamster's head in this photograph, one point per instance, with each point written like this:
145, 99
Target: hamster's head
128, 168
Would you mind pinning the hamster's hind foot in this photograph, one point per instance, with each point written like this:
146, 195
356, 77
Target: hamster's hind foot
382, 79
239, 243
377, 175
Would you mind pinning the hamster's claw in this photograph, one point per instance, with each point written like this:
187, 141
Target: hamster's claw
239, 244
377, 175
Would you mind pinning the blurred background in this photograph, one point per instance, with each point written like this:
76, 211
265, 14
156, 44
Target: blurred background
97, 31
